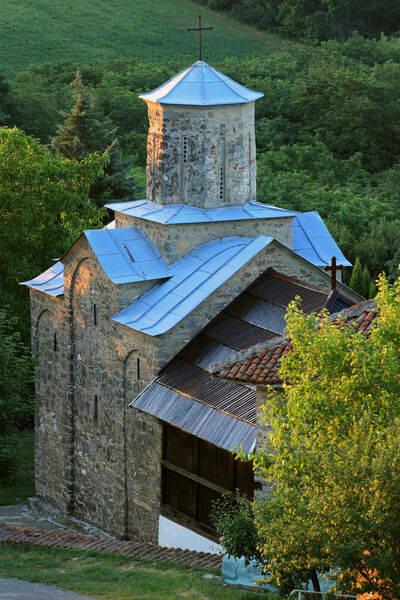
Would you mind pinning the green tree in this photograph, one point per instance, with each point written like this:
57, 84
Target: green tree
333, 454
357, 281
44, 206
16, 401
82, 133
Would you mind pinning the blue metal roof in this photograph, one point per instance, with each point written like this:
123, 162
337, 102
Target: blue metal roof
127, 255
174, 214
193, 279
201, 85
50, 282
312, 241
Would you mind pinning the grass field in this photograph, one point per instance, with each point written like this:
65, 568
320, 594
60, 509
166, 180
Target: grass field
24, 486
113, 577
38, 31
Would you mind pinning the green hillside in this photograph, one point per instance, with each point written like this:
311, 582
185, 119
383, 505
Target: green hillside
37, 31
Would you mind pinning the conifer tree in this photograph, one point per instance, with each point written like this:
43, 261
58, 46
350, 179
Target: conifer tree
357, 278
83, 133
367, 281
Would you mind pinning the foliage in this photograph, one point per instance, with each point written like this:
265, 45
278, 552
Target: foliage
4, 100
357, 281
43, 206
82, 134
333, 455
22, 485
320, 19
233, 519
16, 404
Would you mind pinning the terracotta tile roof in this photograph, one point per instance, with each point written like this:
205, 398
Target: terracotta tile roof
260, 364
77, 541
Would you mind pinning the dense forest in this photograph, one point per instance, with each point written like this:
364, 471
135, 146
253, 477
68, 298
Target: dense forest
315, 19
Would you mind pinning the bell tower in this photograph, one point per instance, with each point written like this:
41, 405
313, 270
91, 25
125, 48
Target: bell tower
201, 140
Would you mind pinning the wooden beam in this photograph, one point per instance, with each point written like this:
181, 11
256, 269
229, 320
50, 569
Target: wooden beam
194, 477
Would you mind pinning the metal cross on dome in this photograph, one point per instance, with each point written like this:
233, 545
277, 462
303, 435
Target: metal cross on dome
199, 29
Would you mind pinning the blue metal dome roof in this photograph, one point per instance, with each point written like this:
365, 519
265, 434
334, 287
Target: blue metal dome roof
201, 85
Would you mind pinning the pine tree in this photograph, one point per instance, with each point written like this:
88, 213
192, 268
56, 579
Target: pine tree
367, 281
83, 133
357, 278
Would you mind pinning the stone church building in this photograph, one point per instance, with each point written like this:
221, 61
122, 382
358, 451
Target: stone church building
130, 423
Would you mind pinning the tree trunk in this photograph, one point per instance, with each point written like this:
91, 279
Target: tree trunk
315, 581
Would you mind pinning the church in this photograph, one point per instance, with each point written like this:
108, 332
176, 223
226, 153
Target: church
131, 426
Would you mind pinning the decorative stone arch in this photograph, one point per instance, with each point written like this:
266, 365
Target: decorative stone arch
84, 263
44, 321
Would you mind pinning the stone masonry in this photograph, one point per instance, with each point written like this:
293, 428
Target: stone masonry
203, 156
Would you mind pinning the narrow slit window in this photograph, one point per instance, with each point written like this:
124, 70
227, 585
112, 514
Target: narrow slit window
222, 171
95, 409
94, 314
55, 342
184, 148
221, 183
138, 368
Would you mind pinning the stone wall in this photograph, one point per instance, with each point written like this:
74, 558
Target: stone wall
96, 459
174, 241
202, 156
53, 419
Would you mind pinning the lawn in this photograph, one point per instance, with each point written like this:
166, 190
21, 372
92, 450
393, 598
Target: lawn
24, 486
112, 576
38, 31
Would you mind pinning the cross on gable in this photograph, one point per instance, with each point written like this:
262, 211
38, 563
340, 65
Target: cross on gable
333, 267
199, 29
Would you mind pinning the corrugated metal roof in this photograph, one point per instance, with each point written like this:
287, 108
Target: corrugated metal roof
193, 279
50, 282
127, 255
195, 382
201, 85
175, 214
196, 418
312, 241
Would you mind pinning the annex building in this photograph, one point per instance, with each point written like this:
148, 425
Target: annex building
131, 424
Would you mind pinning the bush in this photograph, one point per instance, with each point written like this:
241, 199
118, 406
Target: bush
232, 517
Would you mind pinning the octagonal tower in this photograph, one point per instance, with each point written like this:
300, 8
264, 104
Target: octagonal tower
201, 141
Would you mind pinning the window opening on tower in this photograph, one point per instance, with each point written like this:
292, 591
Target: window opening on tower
184, 148
222, 171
